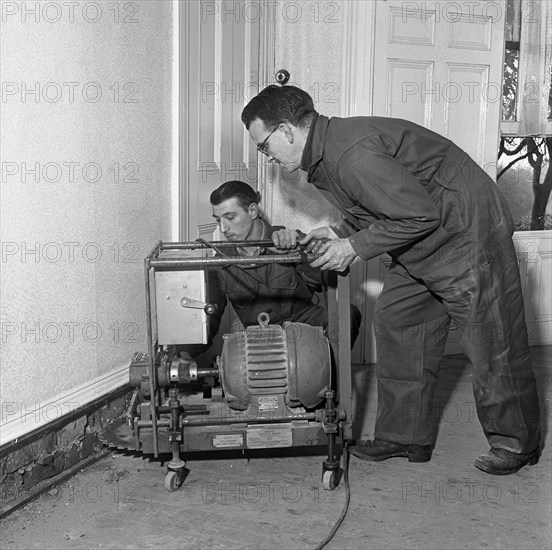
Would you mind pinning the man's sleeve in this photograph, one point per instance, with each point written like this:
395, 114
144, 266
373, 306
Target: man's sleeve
398, 206
343, 228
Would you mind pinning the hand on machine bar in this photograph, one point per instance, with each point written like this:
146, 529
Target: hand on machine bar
289, 240
286, 240
334, 253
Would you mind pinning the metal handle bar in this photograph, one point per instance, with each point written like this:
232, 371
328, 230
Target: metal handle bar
294, 258
191, 245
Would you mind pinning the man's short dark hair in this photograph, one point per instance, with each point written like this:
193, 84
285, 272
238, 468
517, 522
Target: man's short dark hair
240, 190
276, 104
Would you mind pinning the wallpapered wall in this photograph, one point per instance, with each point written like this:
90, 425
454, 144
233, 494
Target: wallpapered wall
309, 45
86, 167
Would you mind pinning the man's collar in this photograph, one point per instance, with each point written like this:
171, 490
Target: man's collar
263, 232
314, 146
235, 252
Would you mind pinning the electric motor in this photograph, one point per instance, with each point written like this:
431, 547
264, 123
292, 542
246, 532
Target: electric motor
292, 361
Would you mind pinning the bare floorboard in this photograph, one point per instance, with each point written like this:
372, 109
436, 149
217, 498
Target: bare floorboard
278, 502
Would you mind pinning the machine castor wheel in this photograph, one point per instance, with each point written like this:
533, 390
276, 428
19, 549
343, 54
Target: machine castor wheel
331, 479
175, 478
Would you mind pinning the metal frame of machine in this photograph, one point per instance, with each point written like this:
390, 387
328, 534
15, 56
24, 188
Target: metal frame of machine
165, 419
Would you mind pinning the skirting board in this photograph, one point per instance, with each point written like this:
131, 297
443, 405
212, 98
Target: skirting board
19, 423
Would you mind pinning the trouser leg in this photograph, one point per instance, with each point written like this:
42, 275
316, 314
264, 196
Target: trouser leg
486, 304
411, 332
494, 338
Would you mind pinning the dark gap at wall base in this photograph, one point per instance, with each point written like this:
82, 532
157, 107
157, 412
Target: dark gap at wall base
56, 450
41, 487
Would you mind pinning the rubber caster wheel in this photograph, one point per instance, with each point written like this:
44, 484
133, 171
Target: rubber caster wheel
329, 480
173, 480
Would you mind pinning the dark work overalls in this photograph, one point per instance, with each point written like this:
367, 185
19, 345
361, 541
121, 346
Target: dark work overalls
413, 194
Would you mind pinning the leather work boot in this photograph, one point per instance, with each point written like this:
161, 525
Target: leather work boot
378, 449
502, 462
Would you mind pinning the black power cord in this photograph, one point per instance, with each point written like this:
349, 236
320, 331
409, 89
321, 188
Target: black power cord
347, 498
345, 445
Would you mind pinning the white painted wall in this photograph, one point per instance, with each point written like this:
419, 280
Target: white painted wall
86, 122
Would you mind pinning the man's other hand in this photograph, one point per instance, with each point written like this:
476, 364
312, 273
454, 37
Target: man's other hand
317, 238
336, 254
285, 240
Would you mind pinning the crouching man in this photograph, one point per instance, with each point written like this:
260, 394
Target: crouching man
285, 291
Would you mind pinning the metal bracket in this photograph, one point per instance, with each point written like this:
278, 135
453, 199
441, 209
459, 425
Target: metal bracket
194, 304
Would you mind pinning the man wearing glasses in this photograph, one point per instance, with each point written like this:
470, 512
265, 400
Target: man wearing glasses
409, 192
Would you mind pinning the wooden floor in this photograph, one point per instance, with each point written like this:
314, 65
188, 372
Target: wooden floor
273, 503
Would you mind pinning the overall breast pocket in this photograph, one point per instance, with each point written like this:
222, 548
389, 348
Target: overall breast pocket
241, 292
284, 281
281, 292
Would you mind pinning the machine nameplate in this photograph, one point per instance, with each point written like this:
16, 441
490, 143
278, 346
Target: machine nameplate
268, 403
265, 436
227, 440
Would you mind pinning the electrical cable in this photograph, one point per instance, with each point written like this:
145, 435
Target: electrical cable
345, 445
347, 498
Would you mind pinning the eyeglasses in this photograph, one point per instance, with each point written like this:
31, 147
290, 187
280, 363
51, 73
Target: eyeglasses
262, 148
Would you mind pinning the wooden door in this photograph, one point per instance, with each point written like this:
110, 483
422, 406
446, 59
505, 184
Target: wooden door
219, 74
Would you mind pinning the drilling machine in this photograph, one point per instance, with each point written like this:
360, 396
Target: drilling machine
271, 387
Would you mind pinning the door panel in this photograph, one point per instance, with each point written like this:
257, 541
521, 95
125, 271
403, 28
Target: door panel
398, 105
466, 121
